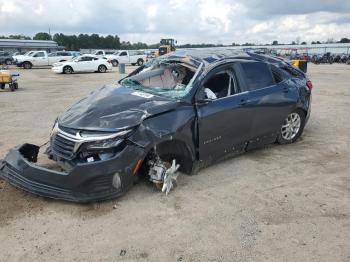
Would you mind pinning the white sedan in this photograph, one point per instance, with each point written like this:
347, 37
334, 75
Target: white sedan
84, 63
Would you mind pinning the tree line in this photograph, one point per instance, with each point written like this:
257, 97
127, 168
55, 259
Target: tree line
96, 41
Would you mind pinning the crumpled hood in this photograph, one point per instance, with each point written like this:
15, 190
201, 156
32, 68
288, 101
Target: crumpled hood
114, 108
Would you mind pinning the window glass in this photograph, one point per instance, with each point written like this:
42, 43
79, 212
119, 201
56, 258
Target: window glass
220, 85
257, 75
88, 58
123, 54
109, 52
52, 54
278, 74
39, 54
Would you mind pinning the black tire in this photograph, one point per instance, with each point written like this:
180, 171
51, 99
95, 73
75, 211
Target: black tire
102, 69
115, 63
12, 88
282, 139
27, 65
140, 62
67, 70
15, 85
8, 62
2, 86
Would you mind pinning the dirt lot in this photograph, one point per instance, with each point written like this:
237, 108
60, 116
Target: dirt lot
281, 203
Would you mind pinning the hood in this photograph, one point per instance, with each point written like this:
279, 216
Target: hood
114, 108
24, 57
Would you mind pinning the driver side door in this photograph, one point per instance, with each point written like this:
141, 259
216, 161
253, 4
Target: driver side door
224, 122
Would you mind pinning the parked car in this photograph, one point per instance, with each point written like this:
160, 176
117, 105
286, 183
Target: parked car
189, 108
5, 58
326, 58
102, 53
128, 57
18, 55
42, 58
84, 63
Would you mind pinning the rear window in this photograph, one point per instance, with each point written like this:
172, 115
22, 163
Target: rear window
257, 75
278, 74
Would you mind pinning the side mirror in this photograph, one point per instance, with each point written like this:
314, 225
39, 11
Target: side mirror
203, 101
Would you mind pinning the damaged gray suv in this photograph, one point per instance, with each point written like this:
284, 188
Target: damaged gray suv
183, 110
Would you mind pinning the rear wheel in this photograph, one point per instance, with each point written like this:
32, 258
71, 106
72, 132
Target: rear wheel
102, 68
115, 63
140, 62
292, 127
2, 86
67, 70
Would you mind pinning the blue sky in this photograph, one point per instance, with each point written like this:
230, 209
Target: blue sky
195, 21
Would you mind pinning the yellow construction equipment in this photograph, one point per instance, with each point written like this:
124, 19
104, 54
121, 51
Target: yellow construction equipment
167, 45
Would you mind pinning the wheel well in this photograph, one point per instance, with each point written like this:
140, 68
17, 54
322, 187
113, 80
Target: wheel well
174, 149
68, 66
27, 62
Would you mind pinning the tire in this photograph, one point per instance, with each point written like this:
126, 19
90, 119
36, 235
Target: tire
12, 87
8, 62
102, 69
67, 70
140, 62
15, 85
2, 86
292, 127
115, 63
27, 65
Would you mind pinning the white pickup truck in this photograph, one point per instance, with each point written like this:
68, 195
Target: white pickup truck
133, 57
42, 58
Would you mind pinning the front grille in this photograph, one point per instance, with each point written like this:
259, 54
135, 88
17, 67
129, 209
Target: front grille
162, 50
62, 147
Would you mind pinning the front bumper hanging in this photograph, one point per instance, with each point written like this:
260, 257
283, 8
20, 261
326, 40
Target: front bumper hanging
86, 182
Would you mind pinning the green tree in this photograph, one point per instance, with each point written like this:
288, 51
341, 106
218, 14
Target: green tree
344, 40
42, 36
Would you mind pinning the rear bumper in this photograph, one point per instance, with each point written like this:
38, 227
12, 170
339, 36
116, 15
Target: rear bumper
87, 182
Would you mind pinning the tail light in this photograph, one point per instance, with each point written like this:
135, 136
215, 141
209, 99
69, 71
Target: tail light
309, 85
109, 61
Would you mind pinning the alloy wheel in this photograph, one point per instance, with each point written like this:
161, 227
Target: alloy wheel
291, 126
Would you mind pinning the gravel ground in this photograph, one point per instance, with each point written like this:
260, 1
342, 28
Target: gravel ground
280, 203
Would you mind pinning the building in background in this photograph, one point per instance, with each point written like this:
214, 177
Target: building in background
14, 45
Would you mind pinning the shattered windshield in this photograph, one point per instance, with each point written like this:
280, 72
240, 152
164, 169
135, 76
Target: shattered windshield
163, 77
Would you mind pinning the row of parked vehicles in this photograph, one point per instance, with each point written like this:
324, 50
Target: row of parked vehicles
70, 61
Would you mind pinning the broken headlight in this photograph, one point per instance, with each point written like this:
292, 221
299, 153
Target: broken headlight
100, 141
104, 144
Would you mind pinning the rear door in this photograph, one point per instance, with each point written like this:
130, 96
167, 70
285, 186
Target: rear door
271, 98
223, 121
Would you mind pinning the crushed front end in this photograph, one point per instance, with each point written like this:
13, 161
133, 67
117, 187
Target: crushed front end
87, 166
